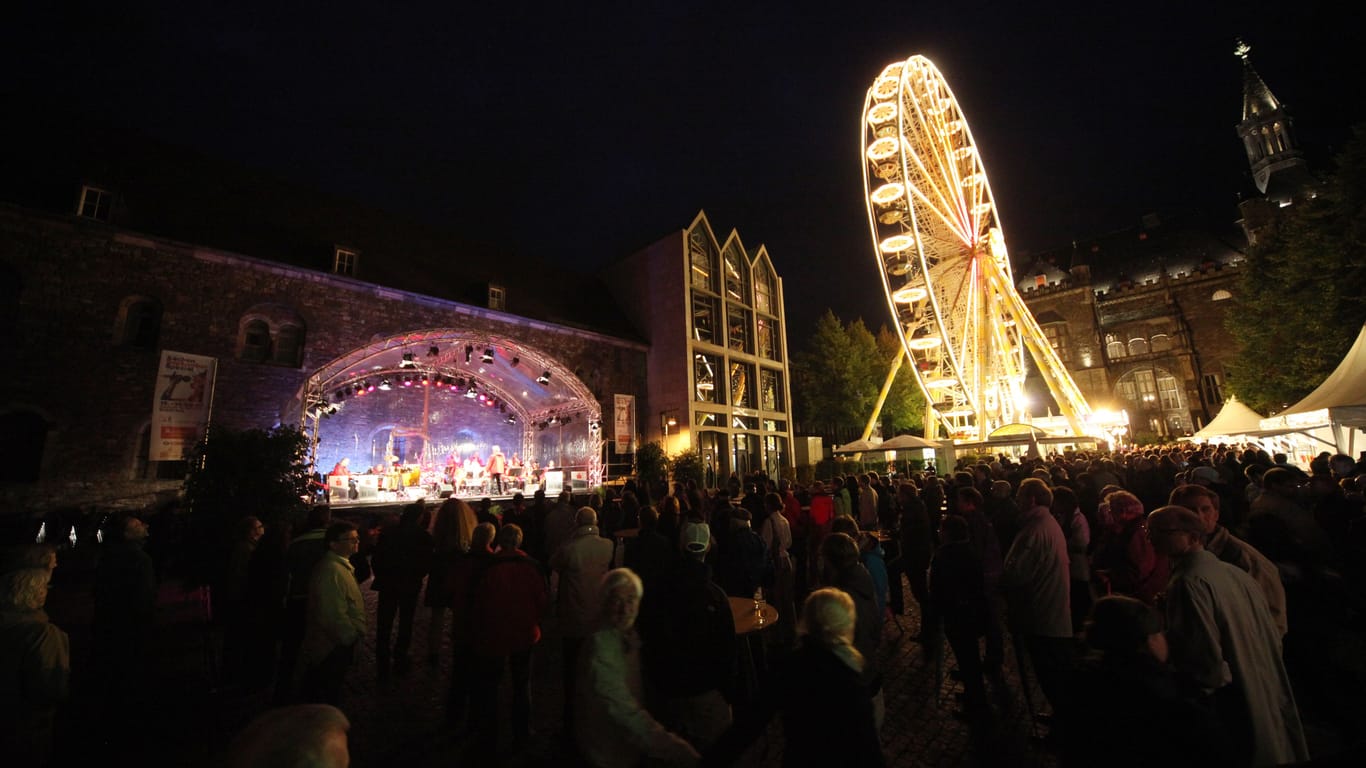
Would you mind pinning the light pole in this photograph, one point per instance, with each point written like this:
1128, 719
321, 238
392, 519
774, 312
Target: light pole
667, 419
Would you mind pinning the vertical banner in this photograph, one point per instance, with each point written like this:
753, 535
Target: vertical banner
624, 423
180, 406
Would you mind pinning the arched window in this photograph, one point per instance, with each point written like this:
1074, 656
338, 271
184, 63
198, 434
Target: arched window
1161, 342
139, 323
764, 295
737, 275
289, 346
1221, 295
1138, 346
254, 341
1114, 348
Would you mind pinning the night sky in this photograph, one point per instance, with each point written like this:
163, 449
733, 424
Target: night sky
582, 135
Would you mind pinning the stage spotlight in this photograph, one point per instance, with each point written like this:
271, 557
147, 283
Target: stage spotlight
471, 393
407, 381
488, 355
407, 360
369, 386
433, 351
426, 381
359, 389
511, 419
543, 379
384, 385
469, 352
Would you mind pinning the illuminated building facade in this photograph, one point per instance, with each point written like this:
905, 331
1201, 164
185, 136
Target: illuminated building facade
718, 374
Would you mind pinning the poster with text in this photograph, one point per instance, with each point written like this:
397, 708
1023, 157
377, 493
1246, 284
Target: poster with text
180, 406
624, 423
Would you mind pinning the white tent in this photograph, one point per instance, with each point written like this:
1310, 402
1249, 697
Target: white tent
858, 446
903, 442
1233, 419
1339, 402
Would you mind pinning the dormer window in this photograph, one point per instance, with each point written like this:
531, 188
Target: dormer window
497, 297
344, 261
94, 203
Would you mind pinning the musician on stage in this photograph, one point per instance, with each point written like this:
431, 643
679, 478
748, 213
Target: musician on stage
497, 463
341, 469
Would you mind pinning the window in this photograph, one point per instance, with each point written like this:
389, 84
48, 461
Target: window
768, 339
1114, 348
1168, 392
139, 323
770, 390
1151, 389
94, 203
738, 336
497, 297
1212, 388
771, 425
1161, 342
706, 387
763, 291
704, 419
741, 385
1221, 295
1138, 346
704, 311
702, 255
744, 422
1056, 333
289, 346
255, 341
345, 261
737, 275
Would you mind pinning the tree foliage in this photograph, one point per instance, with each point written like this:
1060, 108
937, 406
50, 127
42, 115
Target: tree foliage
837, 376
688, 465
1300, 302
652, 465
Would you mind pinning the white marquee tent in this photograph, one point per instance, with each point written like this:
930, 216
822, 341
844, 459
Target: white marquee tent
1337, 406
1234, 419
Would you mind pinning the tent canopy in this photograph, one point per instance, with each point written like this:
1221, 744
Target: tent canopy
1233, 419
1344, 387
903, 442
858, 446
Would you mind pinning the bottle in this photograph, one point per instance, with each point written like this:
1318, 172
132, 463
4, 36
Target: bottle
759, 604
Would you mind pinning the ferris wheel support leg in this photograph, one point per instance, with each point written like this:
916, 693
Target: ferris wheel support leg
882, 396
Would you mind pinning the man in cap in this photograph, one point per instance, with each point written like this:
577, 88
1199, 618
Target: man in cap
581, 563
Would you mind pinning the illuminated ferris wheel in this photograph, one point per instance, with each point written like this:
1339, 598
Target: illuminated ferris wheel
943, 259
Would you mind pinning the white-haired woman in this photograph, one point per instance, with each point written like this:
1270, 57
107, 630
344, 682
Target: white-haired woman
613, 728
825, 704
35, 663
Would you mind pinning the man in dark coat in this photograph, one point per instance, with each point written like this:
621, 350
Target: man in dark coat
125, 609
402, 559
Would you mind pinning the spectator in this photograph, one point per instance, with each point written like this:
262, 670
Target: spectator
35, 665
615, 729
125, 610
743, 559
402, 559
301, 736
336, 618
463, 579
958, 594
580, 562
505, 620
304, 552
844, 572
1224, 641
1125, 556
452, 529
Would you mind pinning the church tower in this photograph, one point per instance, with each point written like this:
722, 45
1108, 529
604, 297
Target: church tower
1278, 167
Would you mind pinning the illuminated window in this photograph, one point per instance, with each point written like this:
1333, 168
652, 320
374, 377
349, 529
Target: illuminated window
704, 312
770, 390
741, 385
94, 203
1221, 295
1138, 346
702, 260
708, 383
763, 291
1040, 280
497, 297
1114, 348
1161, 342
1056, 333
738, 335
737, 275
1212, 388
768, 339
1169, 392
345, 261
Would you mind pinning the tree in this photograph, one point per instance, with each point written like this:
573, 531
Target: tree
688, 465
837, 378
652, 466
904, 411
1300, 301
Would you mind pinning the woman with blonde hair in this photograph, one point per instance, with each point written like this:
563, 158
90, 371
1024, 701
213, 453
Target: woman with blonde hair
452, 528
826, 706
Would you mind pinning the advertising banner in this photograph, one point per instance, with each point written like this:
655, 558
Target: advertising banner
180, 407
624, 423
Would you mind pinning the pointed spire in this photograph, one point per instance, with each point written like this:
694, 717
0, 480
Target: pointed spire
1257, 97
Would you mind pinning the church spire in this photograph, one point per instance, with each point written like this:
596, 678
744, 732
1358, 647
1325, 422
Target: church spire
1267, 140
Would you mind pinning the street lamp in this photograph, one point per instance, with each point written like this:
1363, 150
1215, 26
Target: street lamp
667, 419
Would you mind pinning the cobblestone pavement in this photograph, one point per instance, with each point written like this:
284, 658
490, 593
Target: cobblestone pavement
189, 718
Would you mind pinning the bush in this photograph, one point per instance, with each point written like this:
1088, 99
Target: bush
688, 465
652, 465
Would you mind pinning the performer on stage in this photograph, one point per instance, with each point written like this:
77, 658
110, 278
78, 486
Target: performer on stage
495, 468
341, 468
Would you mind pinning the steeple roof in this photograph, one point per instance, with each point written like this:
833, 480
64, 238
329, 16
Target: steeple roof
1258, 100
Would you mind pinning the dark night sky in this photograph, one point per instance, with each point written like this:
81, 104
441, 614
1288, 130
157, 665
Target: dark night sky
582, 135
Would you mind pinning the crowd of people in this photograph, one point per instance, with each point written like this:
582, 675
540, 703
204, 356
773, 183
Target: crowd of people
1183, 588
